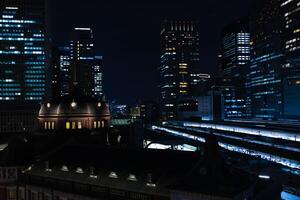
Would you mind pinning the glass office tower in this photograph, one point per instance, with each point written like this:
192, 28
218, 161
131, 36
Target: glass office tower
264, 78
179, 69
233, 63
291, 44
23, 51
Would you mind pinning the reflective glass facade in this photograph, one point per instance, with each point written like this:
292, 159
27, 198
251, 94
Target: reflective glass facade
234, 62
291, 44
264, 78
23, 51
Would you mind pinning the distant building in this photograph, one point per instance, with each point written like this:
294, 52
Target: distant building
180, 74
55, 72
88, 66
234, 60
206, 108
65, 70
264, 78
119, 110
135, 112
150, 112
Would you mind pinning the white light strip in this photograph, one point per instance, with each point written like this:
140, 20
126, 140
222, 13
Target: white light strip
250, 131
82, 29
240, 138
11, 8
272, 158
177, 133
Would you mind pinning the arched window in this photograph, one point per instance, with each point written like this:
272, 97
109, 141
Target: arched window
49, 125
73, 125
45, 125
102, 124
68, 125
79, 125
99, 124
95, 124
52, 125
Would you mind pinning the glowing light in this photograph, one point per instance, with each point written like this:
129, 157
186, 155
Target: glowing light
99, 104
73, 104
264, 176
48, 105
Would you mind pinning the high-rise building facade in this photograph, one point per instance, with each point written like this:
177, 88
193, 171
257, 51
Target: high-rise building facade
264, 77
234, 62
88, 66
291, 44
23, 51
235, 48
65, 70
24, 66
180, 68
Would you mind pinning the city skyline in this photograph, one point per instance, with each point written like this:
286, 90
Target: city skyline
126, 47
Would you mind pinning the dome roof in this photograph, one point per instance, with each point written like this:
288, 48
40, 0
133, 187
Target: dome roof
76, 105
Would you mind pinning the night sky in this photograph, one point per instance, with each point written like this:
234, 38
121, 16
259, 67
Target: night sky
127, 35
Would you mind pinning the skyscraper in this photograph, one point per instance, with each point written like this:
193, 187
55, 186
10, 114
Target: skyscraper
88, 66
234, 62
180, 68
24, 66
23, 51
235, 48
291, 67
264, 78
65, 70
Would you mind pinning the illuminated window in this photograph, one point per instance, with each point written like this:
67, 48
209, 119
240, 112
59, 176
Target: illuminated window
49, 125
95, 124
79, 125
67, 125
52, 125
102, 123
99, 124
45, 125
73, 125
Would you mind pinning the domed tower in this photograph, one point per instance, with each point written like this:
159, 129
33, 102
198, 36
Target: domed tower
73, 112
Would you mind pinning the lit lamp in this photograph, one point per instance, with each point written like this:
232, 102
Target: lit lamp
73, 104
48, 105
99, 104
